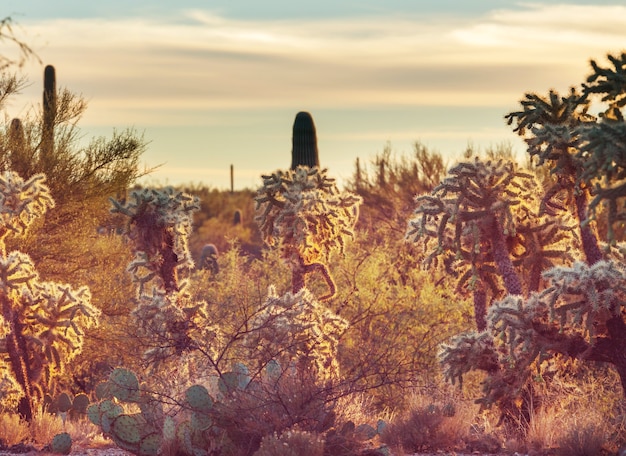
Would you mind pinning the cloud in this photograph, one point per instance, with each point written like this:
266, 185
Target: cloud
201, 61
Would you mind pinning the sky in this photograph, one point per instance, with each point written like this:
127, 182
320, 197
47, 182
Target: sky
210, 84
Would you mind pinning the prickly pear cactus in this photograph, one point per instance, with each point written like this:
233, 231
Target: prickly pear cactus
80, 404
124, 385
198, 398
150, 445
61, 443
127, 428
64, 403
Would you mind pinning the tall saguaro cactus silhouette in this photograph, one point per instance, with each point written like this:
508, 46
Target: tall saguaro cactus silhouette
49, 114
304, 150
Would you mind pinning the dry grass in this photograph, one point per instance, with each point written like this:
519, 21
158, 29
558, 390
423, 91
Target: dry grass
13, 429
433, 421
291, 443
44, 426
581, 413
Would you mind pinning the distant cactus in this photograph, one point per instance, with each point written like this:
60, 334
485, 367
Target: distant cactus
17, 138
49, 113
208, 258
304, 150
237, 217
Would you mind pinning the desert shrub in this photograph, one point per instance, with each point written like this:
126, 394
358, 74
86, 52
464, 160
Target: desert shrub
388, 185
435, 418
398, 315
13, 429
291, 443
44, 426
418, 431
269, 405
582, 440
217, 227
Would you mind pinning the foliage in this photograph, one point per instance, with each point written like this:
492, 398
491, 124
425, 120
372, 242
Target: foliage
13, 429
398, 316
296, 328
7, 34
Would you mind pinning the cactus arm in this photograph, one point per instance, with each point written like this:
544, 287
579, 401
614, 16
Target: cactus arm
588, 237
16, 350
323, 269
501, 256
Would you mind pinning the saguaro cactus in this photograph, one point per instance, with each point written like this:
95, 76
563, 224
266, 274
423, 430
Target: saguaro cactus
49, 113
304, 150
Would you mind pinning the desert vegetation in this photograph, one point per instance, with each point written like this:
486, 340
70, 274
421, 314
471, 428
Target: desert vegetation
475, 305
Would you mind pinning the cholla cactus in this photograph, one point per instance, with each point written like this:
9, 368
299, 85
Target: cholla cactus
160, 222
42, 323
296, 328
575, 316
470, 216
21, 202
308, 218
602, 145
551, 127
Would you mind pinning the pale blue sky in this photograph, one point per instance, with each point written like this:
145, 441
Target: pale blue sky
218, 83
